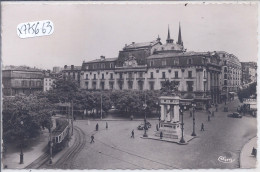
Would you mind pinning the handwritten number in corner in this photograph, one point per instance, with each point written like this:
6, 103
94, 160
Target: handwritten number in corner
35, 29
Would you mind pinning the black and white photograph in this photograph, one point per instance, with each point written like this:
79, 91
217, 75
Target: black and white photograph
129, 85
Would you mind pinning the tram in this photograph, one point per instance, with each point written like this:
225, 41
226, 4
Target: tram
60, 135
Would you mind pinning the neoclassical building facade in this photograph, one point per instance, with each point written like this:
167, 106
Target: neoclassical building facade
145, 66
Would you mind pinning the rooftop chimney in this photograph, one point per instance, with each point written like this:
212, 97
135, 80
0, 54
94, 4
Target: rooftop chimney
102, 58
65, 67
133, 42
72, 67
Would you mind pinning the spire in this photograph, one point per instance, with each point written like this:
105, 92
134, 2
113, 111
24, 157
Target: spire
158, 39
179, 36
169, 35
169, 40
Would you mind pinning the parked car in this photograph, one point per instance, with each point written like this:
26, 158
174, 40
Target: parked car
141, 126
235, 115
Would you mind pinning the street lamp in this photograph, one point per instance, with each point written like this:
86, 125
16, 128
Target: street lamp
101, 106
145, 134
21, 154
51, 145
145, 105
158, 108
209, 115
193, 133
182, 139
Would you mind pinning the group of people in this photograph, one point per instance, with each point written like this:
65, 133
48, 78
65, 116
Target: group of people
92, 136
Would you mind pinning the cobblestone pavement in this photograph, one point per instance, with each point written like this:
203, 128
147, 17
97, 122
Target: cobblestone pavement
114, 149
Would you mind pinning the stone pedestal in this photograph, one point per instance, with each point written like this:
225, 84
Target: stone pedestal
169, 124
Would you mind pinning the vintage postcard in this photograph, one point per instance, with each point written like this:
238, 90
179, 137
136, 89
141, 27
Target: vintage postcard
129, 85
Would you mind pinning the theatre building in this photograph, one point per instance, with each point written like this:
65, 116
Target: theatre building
145, 66
21, 80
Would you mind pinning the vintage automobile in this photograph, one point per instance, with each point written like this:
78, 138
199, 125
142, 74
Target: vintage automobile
141, 126
235, 115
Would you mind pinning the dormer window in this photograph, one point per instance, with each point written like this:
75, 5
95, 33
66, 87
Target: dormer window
111, 65
151, 63
164, 62
87, 67
176, 61
189, 61
172, 48
102, 65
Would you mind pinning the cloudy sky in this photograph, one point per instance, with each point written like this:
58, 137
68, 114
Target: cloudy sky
86, 31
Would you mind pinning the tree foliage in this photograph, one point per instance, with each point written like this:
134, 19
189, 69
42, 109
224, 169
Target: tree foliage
34, 112
247, 92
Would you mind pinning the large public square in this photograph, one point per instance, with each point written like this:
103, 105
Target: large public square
129, 86
115, 149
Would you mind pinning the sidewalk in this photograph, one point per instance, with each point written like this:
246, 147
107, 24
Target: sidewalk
35, 149
246, 159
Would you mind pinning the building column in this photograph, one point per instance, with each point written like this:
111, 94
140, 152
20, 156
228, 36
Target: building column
168, 117
171, 112
125, 83
135, 85
176, 113
146, 75
162, 113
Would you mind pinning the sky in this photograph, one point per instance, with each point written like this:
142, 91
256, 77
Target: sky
87, 31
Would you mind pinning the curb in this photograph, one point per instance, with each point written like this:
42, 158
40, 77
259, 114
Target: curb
116, 119
169, 140
240, 162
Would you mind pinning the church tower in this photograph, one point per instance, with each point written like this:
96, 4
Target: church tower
179, 36
169, 40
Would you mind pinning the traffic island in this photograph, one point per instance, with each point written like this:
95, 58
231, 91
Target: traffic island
187, 139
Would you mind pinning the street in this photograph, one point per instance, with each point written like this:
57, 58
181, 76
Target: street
114, 149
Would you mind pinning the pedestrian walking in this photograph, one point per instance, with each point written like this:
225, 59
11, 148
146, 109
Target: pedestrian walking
97, 127
133, 134
106, 125
161, 135
202, 127
157, 127
213, 113
92, 139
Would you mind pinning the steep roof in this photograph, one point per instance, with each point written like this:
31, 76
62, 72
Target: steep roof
170, 47
99, 60
142, 44
165, 55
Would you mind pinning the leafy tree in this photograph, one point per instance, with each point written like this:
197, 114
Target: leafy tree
64, 90
247, 92
33, 111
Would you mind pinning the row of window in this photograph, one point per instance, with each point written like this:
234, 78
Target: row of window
190, 85
230, 83
102, 66
30, 83
175, 62
130, 75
